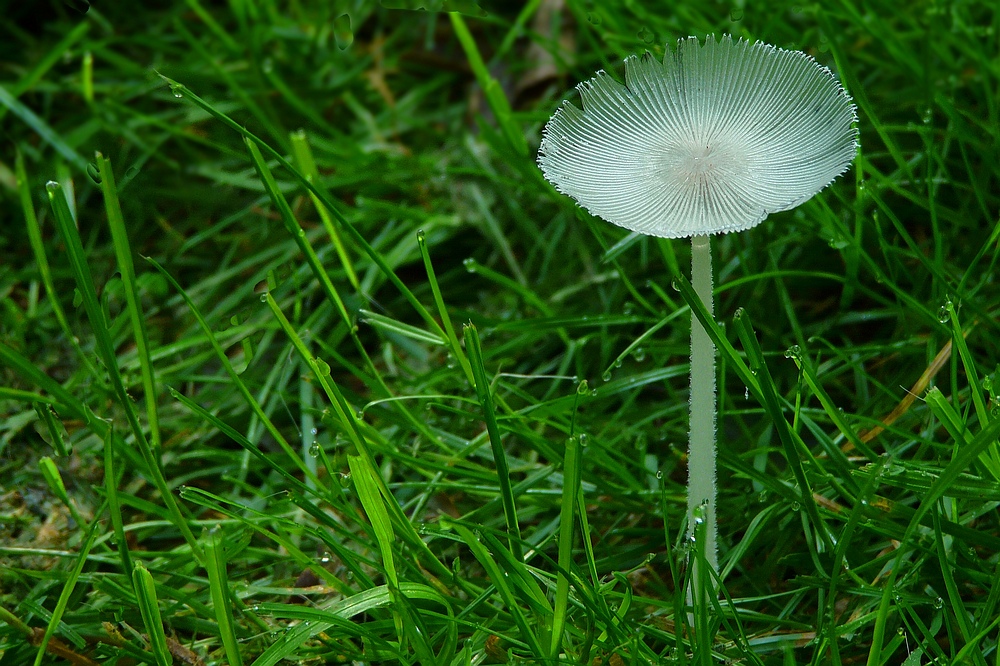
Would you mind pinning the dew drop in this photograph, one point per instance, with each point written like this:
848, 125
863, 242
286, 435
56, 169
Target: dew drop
263, 297
420, 235
943, 315
794, 352
639, 354
606, 376
314, 450
470, 264
582, 388
939, 603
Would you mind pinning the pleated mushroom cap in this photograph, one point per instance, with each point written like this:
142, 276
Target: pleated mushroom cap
711, 140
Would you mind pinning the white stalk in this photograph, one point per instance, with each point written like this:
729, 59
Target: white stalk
701, 447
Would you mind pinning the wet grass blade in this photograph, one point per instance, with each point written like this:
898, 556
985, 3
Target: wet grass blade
475, 349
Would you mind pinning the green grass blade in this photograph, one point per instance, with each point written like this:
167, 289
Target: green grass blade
126, 268
958, 340
495, 95
732, 357
105, 349
938, 489
235, 377
348, 419
456, 348
42, 262
295, 230
182, 91
503, 588
307, 167
953, 423
55, 482
67, 591
111, 480
55, 428
366, 486
218, 585
571, 487
475, 350
149, 608
772, 405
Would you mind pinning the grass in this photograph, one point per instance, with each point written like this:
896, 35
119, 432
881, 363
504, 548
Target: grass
302, 361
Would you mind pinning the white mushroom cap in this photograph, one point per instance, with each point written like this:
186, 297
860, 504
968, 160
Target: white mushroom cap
709, 141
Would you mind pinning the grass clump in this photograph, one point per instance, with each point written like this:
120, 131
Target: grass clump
302, 361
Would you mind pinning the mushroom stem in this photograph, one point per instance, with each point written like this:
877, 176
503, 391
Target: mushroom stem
701, 446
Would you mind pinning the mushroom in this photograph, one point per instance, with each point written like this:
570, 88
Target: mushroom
708, 141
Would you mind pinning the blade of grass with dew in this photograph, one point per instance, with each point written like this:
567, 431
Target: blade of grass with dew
67, 591
836, 415
218, 586
307, 166
299, 236
321, 620
183, 91
362, 474
971, 375
947, 566
220, 353
571, 487
715, 332
500, 583
149, 608
126, 268
772, 406
959, 463
347, 417
385, 323
953, 423
475, 350
262, 112
242, 514
456, 348
85, 284
521, 581
42, 262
